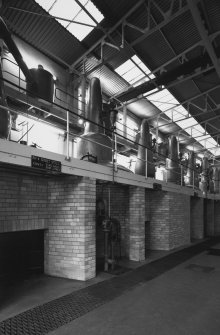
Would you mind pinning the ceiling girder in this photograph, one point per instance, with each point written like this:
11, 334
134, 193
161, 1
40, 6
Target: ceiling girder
183, 70
182, 55
123, 22
203, 33
99, 42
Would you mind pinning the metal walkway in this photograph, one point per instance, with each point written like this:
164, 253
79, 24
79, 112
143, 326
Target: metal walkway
54, 314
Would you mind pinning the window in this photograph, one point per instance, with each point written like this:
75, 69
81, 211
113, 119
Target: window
168, 104
134, 71
72, 11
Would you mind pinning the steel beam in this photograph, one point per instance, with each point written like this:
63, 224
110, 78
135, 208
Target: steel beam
136, 6
203, 33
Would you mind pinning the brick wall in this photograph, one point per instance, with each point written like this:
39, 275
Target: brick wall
209, 219
217, 217
180, 220
136, 223
23, 202
158, 234
169, 220
197, 217
64, 207
70, 239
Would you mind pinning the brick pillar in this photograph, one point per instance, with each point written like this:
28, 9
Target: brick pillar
136, 223
197, 218
209, 218
217, 217
70, 239
169, 220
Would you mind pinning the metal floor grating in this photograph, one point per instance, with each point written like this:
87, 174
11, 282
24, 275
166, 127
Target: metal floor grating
56, 313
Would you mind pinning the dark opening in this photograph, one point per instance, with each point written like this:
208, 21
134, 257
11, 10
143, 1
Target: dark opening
21, 254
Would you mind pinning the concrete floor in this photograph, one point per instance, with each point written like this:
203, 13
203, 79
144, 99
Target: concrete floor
17, 297
20, 295
183, 300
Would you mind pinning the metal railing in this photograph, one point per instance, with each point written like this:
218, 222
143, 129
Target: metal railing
178, 173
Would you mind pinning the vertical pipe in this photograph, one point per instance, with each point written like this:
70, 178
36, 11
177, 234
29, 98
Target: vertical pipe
106, 251
19, 76
157, 136
83, 95
178, 144
146, 165
27, 133
5, 116
115, 153
181, 175
67, 135
193, 178
109, 202
125, 114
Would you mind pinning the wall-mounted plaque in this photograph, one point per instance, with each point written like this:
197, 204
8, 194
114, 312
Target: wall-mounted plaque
45, 164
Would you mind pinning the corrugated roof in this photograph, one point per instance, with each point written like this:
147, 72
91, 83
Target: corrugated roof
212, 9
45, 34
154, 50
113, 9
110, 81
181, 32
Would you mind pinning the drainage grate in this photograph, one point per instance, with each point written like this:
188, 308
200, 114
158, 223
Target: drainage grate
50, 316
214, 252
54, 314
200, 268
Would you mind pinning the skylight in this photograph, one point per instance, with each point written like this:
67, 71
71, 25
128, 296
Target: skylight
134, 71
71, 10
166, 102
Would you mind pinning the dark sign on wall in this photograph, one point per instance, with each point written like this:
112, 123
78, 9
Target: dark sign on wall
45, 164
157, 187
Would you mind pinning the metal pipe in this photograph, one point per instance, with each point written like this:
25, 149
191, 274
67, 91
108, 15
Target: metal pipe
83, 95
109, 202
5, 118
6, 36
181, 167
67, 136
27, 132
125, 114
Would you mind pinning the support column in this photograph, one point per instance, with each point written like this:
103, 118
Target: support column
216, 217
136, 223
70, 239
209, 218
196, 218
169, 220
